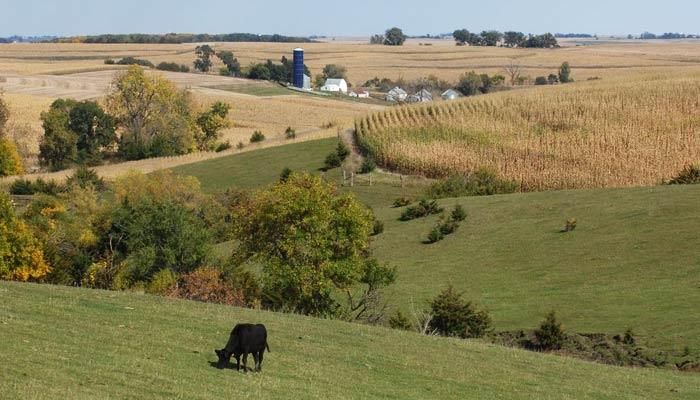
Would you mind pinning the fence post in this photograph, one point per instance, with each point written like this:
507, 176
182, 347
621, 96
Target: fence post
370, 179
352, 179
401, 176
345, 178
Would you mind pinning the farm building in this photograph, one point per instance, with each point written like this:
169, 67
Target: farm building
335, 85
423, 96
396, 95
451, 94
361, 93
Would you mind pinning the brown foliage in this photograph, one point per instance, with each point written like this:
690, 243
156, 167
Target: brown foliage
206, 284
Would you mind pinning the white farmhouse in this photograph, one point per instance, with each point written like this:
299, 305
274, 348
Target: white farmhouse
335, 85
360, 93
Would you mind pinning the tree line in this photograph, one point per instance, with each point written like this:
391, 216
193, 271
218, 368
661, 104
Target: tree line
507, 39
178, 38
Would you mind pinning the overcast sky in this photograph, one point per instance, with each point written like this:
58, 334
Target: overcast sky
345, 18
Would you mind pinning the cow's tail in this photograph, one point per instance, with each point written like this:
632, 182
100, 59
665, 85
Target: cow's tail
268, 347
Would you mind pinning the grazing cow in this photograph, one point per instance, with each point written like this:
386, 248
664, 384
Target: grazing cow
245, 339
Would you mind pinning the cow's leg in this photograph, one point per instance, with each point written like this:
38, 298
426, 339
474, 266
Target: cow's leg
245, 362
238, 362
260, 358
256, 358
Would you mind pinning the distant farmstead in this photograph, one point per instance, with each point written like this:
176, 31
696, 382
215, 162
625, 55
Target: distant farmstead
335, 85
396, 95
360, 93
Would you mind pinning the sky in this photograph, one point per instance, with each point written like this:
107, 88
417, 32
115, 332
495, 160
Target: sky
351, 18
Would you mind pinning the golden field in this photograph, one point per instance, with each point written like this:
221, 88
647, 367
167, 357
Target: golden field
587, 135
32, 75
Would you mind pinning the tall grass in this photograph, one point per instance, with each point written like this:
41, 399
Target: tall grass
626, 133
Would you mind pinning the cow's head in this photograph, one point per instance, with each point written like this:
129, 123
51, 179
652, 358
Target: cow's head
224, 358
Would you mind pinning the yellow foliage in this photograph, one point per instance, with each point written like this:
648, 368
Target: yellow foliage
10, 161
21, 256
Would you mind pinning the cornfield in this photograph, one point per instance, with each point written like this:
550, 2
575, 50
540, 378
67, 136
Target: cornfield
590, 135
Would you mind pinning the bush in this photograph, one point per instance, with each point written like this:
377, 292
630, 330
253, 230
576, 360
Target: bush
27, 187
257, 137
541, 80
435, 236
109, 61
286, 172
690, 175
135, 61
290, 133
452, 316
570, 225
223, 146
400, 321
377, 227
163, 283
332, 161
84, 177
448, 227
422, 209
172, 67
206, 284
483, 182
343, 151
368, 165
240, 146
550, 335
401, 202
458, 214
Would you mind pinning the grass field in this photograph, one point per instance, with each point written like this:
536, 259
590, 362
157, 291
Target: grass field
61, 342
633, 262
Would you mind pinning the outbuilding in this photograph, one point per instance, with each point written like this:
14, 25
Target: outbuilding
335, 85
360, 93
396, 95
423, 96
451, 94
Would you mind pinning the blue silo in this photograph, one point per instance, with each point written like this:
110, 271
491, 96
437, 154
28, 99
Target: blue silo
298, 76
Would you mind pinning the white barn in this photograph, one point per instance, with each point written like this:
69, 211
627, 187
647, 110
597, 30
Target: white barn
335, 85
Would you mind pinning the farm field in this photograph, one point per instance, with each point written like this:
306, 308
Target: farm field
587, 135
632, 263
80, 344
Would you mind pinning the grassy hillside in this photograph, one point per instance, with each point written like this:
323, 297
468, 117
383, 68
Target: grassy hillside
633, 262
60, 342
588, 135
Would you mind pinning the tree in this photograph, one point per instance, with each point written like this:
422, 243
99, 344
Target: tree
377, 39
334, 71
491, 38
565, 73
232, 65
10, 161
211, 122
21, 256
461, 36
394, 37
4, 115
203, 62
453, 316
95, 131
553, 79
470, 84
155, 115
310, 241
541, 80
514, 39
59, 145
514, 71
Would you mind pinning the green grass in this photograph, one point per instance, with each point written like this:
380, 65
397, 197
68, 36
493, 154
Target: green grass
262, 90
633, 261
61, 342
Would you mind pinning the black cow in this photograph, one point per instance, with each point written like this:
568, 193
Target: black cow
245, 339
